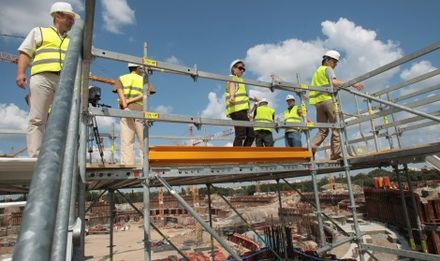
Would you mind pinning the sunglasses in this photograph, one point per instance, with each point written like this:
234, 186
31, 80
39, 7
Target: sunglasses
241, 69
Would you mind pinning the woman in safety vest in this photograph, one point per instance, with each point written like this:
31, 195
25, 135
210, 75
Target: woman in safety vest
237, 104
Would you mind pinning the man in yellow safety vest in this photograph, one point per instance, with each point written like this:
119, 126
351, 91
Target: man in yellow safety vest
292, 136
264, 114
45, 48
237, 104
129, 88
325, 108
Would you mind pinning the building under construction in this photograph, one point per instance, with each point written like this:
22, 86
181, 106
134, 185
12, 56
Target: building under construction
53, 225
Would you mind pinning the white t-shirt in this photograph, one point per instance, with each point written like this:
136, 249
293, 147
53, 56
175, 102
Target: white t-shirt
330, 73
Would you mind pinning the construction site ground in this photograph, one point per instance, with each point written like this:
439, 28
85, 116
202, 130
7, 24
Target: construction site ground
128, 244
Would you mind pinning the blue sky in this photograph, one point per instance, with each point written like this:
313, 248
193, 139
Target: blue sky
281, 37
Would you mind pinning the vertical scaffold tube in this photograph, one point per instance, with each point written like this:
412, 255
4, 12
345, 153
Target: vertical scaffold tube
342, 134
316, 192
62, 220
146, 170
405, 210
416, 210
208, 186
280, 206
112, 219
373, 125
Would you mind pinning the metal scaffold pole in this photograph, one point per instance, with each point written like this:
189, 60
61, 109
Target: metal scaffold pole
280, 207
373, 126
199, 219
146, 169
312, 167
396, 129
210, 220
112, 220
416, 210
342, 136
62, 220
405, 209
316, 191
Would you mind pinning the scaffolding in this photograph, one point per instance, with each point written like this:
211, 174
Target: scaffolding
52, 229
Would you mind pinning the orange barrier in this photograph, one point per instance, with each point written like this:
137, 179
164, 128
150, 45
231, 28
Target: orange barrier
190, 155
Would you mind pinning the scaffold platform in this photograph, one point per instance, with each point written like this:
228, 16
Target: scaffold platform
236, 165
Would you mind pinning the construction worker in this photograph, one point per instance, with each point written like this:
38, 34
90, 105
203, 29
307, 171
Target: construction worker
264, 114
237, 104
325, 108
45, 48
129, 88
292, 136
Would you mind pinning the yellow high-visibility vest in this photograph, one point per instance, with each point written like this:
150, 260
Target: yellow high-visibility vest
241, 97
292, 116
133, 85
264, 114
319, 80
49, 56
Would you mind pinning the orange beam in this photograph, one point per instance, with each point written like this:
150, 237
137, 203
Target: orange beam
189, 155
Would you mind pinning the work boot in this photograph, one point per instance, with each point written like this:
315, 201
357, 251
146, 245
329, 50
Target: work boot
336, 157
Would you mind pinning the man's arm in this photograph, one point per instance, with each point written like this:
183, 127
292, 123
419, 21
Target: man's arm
26, 52
122, 101
135, 99
23, 63
338, 83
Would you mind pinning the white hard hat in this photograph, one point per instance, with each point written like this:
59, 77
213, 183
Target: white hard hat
64, 8
133, 65
290, 97
234, 62
263, 100
333, 54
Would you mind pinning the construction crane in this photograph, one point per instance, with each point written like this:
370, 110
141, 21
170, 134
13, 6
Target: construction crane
205, 139
161, 207
198, 228
12, 58
13, 154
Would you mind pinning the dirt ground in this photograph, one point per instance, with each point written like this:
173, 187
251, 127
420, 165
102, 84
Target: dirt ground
128, 245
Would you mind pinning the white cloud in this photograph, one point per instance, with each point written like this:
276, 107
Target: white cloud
361, 52
116, 14
215, 108
105, 124
13, 118
15, 18
415, 70
284, 59
164, 109
173, 59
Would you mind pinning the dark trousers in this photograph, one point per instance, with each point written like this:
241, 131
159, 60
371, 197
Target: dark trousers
264, 138
244, 136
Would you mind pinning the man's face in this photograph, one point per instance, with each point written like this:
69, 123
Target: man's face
333, 63
65, 21
290, 102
